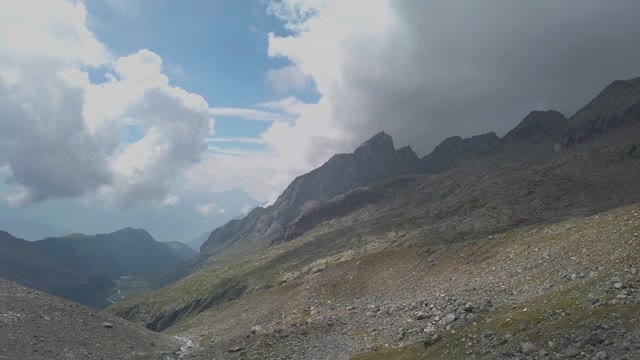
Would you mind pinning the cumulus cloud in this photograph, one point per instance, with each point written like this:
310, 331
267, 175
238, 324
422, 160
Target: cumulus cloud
44, 142
60, 134
286, 78
426, 70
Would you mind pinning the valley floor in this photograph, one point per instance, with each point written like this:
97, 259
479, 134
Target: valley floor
565, 290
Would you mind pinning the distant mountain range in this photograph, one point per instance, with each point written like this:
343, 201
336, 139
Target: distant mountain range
82, 267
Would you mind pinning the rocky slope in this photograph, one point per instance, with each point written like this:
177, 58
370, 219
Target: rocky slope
537, 136
334, 277
569, 288
375, 160
37, 326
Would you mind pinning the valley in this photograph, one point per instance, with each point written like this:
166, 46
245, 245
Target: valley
319, 180
524, 246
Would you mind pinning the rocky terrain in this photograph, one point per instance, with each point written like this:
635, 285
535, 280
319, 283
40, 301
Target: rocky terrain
38, 326
523, 247
566, 288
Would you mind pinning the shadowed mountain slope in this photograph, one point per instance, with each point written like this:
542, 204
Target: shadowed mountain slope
82, 267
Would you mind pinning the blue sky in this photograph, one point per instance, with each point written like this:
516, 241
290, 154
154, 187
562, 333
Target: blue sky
214, 48
217, 49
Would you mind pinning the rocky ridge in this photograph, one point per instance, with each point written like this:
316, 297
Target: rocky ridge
348, 275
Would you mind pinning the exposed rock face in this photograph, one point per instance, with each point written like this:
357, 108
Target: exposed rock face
454, 149
617, 105
539, 133
308, 199
538, 126
373, 161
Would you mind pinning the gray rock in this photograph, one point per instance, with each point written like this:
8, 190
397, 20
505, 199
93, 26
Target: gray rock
600, 355
470, 308
448, 319
489, 335
571, 352
431, 340
528, 348
107, 325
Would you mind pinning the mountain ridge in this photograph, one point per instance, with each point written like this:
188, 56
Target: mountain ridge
538, 134
82, 267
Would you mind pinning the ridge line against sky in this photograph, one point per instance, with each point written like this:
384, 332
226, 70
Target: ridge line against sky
177, 116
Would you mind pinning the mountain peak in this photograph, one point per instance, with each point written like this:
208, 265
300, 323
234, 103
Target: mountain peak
538, 125
616, 105
379, 143
454, 148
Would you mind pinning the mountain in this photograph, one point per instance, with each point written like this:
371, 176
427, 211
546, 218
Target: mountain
456, 149
486, 248
616, 106
183, 251
81, 267
373, 161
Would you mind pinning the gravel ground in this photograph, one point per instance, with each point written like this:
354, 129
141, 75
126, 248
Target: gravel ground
38, 326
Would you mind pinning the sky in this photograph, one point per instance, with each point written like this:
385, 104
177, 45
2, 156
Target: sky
176, 116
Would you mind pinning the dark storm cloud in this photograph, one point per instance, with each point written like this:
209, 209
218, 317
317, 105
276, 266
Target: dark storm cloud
469, 67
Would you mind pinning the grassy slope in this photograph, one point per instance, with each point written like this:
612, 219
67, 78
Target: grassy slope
607, 241
523, 268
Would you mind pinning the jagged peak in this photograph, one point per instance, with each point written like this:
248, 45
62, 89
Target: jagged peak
458, 144
538, 123
380, 142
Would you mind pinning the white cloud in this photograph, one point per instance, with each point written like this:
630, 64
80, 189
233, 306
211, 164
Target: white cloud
170, 200
289, 105
210, 209
54, 31
245, 140
60, 133
286, 78
246, 114
261, 175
